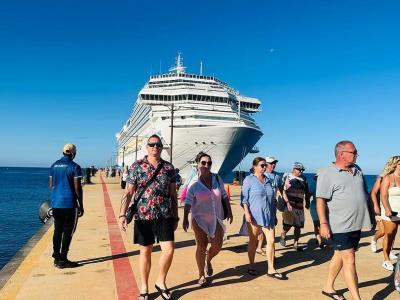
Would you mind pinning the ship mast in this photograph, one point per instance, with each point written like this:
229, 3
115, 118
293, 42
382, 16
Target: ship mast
179, 68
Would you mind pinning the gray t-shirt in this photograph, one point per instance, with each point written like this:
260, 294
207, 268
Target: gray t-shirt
347, 198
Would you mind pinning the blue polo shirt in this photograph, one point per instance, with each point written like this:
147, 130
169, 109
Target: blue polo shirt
63, 172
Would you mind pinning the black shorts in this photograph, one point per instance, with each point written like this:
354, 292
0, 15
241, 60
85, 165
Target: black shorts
146, 232
347, 240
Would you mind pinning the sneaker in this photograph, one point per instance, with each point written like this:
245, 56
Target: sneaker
387, 265
393, 256
282, 241
62, 264
373, 246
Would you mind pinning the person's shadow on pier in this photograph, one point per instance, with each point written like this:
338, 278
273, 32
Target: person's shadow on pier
232, 275
180, 244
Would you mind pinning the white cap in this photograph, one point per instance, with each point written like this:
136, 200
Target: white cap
270, 159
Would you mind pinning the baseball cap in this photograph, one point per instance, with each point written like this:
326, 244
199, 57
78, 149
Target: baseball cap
270, 159
298, 165
69, 148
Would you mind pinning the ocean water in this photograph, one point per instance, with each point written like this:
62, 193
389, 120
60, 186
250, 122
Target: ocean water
22, 190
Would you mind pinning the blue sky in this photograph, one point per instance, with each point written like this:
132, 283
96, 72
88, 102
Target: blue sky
324, 71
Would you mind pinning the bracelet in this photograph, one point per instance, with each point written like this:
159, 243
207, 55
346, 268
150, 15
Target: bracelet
122, 216
323, 223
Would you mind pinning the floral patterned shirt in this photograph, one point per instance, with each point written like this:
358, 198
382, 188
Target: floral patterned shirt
155, 202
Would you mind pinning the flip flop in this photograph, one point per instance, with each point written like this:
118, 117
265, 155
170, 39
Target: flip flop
144, 296
165, 293
333, 295
261, 252
202, 281
277, 275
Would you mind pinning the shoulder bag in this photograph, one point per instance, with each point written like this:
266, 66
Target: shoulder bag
132, 209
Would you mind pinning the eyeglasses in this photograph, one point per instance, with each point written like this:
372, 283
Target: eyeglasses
263, 165
300, 170
152, 145
208, 163
355, 153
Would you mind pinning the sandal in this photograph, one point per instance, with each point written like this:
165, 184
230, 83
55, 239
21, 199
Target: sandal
261, 252
143, 296
334, 295
252, 272
165, 293
277, 275
202, 281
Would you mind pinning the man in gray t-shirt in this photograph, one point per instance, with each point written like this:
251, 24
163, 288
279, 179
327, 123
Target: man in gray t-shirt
342, 206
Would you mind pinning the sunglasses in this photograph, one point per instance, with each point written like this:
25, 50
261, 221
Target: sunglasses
263, 165
152, 145
208, 163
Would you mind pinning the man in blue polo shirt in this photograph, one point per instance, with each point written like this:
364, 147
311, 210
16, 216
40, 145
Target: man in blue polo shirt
67, 203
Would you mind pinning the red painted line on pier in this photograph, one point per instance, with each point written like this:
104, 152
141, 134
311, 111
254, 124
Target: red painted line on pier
125, 281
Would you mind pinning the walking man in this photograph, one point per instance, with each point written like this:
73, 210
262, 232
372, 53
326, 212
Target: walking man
67, 203
342, 206
151, 183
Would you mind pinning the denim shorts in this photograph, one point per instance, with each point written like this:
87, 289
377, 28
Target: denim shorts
346, 240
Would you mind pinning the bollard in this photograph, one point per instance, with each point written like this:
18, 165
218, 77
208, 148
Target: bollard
45, 212
87, 176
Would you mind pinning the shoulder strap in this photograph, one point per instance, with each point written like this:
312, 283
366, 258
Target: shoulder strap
139, 195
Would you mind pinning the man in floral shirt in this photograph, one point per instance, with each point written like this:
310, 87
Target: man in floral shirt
156, 218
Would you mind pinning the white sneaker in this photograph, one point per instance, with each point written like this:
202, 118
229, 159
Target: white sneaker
387, 265
373, 246
393, 256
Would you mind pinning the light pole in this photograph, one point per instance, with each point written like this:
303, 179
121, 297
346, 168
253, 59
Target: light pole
123, 157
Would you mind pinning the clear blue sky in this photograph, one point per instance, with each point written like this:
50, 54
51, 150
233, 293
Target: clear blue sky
324, 71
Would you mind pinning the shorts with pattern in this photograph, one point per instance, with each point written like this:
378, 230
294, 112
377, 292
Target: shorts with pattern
293, 218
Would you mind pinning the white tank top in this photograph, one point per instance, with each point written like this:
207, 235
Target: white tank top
394, 202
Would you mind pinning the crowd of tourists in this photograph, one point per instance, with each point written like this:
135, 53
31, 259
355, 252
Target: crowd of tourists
340, 207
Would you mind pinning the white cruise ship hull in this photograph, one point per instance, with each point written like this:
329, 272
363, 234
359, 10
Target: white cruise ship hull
227, 145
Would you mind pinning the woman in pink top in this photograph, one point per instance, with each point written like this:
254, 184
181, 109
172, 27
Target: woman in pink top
204, 200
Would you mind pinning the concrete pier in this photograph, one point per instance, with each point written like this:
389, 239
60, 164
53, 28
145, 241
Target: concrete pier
110, 262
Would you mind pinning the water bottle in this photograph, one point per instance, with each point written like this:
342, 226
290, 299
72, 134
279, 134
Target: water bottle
397, 276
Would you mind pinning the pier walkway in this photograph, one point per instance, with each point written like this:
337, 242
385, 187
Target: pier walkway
110, 262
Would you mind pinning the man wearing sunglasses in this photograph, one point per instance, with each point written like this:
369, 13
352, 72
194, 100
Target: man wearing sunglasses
152, 180
342, 206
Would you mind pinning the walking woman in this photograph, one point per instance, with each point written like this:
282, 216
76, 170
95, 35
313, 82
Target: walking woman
259, 204
375, 197
390, 198
204, 200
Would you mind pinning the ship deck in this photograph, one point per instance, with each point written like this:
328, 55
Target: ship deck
109, 262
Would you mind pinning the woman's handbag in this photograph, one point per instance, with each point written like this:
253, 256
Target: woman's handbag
281, 204
132, 209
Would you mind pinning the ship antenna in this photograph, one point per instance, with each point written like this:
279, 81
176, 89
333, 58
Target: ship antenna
201, 68
179, 68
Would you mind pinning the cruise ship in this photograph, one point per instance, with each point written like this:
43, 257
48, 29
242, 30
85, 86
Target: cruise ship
191, 113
